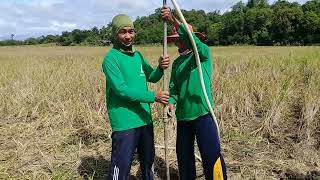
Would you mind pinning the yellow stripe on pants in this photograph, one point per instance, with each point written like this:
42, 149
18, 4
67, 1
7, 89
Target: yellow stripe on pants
217, 170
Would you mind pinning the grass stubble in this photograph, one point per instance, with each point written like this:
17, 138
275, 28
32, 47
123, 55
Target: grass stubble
54, 123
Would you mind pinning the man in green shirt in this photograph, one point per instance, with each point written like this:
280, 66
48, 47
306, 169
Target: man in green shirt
193, 115
128, 101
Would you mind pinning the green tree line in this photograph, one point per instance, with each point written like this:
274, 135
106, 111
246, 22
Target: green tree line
256, 23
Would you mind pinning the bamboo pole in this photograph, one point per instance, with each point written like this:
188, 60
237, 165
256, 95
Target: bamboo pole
165, 88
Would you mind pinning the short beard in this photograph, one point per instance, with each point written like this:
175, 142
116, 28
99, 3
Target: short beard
132, 42
127, 45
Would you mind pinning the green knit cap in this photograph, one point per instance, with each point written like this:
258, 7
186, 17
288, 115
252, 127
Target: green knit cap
120, 21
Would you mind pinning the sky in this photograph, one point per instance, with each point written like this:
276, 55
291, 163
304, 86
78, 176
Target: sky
33, 18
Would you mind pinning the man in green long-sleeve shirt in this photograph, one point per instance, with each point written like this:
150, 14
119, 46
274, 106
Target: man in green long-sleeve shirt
127, 73
192, 112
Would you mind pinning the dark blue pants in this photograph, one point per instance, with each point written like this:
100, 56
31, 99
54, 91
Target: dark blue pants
205, 131
124, 144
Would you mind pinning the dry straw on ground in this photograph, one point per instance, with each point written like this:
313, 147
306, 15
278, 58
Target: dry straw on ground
54, 125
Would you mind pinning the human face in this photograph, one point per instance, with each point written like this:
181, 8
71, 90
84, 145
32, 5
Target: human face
126, 36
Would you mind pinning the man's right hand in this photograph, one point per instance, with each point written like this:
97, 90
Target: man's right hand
162, 97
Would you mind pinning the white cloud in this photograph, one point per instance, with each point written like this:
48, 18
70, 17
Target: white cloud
63, 24
55, 26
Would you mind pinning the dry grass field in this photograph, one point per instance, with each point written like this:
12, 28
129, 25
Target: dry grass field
53, 122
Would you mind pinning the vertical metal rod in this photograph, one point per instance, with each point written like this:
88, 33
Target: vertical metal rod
165, 88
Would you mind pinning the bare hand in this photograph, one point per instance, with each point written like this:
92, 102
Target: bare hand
162, 97
166, 14
164, 62
172, 109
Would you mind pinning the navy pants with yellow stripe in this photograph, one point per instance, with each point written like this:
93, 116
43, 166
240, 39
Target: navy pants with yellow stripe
204, 130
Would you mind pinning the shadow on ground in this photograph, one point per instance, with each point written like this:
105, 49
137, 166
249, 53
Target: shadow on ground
160, 169
94, 167
97, 168
289, 174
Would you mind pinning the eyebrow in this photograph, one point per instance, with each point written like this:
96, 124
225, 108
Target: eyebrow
127, 29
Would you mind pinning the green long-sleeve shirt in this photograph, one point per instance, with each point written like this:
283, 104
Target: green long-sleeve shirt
127, 94
185, 88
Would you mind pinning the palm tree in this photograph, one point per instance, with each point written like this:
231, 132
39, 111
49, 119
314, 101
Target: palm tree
12, 35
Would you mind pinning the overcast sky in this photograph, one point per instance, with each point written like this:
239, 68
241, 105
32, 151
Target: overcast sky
33, 18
